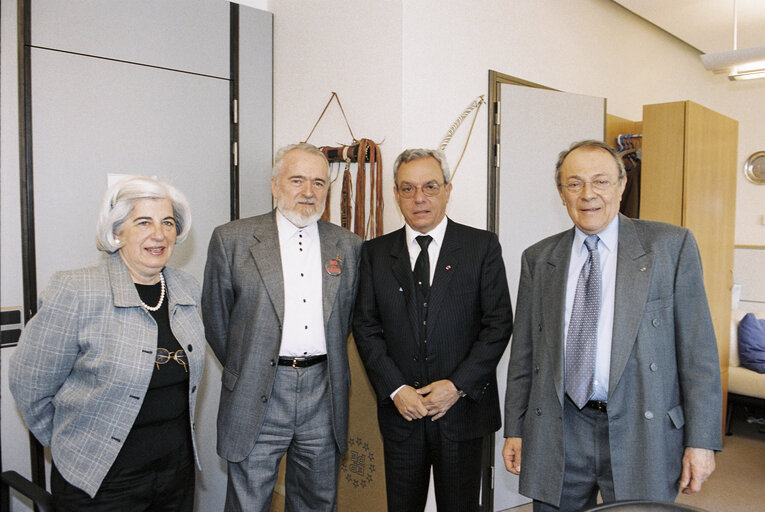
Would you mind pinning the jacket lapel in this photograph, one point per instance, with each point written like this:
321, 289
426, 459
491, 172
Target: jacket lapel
268, 261
330, 250
123, 290
633, 276
446, 266
554, 282
401, 268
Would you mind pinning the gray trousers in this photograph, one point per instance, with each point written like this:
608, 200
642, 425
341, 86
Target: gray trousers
587, 460
298, 422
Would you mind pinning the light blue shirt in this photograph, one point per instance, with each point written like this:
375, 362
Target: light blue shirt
607, 249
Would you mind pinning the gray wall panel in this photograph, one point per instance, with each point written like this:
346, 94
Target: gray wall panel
255, 110
93, 117
189, 35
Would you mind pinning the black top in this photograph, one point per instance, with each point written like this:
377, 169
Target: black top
162, 423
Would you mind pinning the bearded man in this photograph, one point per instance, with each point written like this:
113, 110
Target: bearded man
277, 298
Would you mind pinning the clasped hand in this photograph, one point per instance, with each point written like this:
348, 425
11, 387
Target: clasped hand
433, 400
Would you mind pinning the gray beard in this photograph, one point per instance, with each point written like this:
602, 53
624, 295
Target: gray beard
297, 218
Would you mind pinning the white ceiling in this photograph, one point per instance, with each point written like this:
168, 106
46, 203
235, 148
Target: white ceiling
707, 25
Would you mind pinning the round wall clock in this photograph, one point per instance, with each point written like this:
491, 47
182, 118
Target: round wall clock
754, 168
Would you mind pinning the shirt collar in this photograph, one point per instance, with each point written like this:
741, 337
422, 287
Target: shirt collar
609, 237
437, 233
287, 229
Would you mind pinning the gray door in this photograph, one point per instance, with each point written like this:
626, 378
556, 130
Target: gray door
536, 125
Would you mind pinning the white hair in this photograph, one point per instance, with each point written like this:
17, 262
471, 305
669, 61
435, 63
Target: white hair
120, 199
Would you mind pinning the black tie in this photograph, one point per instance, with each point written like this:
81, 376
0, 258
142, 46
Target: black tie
422, 265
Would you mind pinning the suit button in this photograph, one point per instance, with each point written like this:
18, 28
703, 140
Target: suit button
272, 363
655, 322
194, 389
538, 411
416, 358
536, 368
653, 367
263, 399
417, 383
648, 415
539, 327
189, 347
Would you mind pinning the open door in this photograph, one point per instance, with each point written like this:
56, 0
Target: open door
533, 124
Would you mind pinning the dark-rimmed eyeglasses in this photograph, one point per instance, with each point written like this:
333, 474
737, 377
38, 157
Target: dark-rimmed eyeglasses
164, 356
430, 189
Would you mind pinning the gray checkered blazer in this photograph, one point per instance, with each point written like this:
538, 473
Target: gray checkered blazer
84, 361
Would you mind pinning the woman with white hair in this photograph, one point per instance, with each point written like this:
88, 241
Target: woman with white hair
106, 372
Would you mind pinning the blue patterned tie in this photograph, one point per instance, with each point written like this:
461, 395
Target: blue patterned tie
582, 339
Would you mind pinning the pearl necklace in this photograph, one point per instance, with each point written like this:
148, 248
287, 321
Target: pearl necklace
161, 296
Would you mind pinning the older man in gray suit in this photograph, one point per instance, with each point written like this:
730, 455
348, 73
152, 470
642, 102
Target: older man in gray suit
277, 299
614, 380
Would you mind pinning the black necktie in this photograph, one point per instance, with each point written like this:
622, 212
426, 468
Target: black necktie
422, 265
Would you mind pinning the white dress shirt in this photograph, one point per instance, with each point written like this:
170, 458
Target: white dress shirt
607, 249
303, 329
434, 249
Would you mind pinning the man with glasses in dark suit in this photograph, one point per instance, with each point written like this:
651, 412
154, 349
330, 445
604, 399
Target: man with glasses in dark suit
432, 319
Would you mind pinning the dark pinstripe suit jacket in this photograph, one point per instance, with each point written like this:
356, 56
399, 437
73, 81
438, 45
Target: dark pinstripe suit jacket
469, 324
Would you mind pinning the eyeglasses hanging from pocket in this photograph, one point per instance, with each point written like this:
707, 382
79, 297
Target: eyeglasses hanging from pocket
164, 355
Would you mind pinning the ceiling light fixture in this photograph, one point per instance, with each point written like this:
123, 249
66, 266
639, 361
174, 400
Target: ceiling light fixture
743, 64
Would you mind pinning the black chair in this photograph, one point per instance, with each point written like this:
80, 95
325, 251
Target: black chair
642, 506
11, 480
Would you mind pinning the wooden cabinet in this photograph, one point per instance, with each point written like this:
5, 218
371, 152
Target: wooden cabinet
688, 178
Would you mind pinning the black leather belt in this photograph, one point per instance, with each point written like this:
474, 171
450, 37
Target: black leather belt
302, 362
597, 405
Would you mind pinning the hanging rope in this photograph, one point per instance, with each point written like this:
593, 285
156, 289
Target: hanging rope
360, 151
333, 97
474, 107
353, 205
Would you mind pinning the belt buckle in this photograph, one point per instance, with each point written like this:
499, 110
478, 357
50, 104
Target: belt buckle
295, 360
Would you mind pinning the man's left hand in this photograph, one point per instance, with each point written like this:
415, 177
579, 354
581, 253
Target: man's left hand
698, 464
439, 396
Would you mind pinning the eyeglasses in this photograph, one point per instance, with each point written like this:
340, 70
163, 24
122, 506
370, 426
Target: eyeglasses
430, 189
601, 185
164, 355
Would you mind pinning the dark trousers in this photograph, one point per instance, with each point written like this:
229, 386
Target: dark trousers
456, 470
163, 485
587, 467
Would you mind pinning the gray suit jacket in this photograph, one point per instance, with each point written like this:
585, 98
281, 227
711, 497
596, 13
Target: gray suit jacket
84, 361
243, 311
664, 389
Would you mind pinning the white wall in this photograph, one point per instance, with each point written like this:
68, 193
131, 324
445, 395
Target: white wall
405, 70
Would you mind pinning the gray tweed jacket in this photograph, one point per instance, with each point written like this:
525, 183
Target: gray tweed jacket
84, 361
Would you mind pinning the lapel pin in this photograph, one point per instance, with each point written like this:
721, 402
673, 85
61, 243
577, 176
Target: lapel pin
642, 269
333, 267
400, 289
448, 267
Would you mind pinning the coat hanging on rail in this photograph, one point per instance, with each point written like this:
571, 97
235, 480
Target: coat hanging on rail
628, 147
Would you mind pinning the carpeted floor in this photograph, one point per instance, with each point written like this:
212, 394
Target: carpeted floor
738, 483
